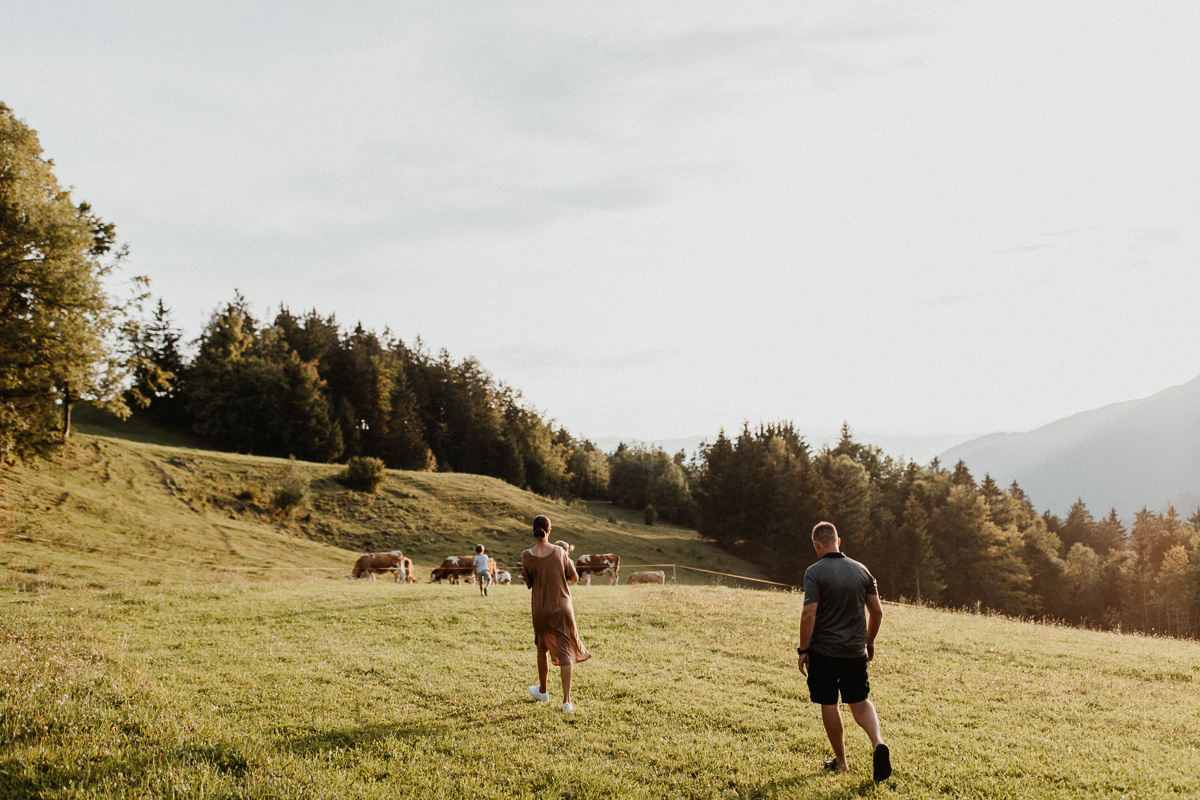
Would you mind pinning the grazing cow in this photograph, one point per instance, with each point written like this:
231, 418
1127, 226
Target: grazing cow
564, 545
439, 575
459, 567
657, 576
370, 563
599, 564
503, 577
406, 571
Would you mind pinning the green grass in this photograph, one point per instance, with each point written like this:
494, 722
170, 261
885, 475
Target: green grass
337, 689
127, 674
89, 420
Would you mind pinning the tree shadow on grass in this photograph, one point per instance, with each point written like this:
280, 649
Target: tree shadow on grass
359, 737
18, 784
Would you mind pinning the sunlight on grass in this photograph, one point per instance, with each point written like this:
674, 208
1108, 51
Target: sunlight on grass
162, 636
349, 689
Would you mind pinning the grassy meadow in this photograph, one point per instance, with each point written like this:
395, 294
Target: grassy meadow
161, 635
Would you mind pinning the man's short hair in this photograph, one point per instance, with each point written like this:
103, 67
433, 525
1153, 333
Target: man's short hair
824, 533
478, 548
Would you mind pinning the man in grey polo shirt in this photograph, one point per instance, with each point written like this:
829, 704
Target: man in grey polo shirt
836, 641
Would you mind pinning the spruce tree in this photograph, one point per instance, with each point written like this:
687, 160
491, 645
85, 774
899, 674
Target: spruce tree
1078, 527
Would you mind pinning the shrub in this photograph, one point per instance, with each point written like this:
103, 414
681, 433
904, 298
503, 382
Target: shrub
650, 515
292, 490
612, 518
365, 474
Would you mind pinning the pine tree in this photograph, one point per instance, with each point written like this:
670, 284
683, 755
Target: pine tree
250, 392
159, 368
961, 475
1078, 527
1109, 534
1083, 579
920, 572
846, 500
589, 471
1040, 548
982, 562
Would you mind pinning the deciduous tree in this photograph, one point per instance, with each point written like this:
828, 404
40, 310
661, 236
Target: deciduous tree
57, 322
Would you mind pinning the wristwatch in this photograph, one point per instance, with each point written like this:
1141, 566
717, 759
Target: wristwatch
801, 651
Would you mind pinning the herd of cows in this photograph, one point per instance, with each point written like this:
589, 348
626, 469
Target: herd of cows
455, 569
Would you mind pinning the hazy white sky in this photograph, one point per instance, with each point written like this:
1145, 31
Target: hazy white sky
657, 219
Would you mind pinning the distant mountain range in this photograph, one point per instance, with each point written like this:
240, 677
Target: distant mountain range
1128, 456
1140, 453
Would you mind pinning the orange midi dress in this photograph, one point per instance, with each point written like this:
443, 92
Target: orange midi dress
553, 615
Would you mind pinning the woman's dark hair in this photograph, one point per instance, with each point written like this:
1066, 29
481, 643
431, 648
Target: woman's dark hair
541, 526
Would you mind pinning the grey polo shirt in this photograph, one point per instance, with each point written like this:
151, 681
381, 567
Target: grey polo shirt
840, 586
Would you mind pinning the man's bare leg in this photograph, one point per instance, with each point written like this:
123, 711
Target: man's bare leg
831, 716
868, 720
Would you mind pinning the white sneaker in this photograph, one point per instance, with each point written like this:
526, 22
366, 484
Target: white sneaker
568, 708
536, 693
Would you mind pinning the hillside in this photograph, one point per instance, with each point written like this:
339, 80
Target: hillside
110, 502
1140, 453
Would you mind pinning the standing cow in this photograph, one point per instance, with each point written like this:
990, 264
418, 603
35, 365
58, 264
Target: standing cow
599, 564
657, 576
370, 563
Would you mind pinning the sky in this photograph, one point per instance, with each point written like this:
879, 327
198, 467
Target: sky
660, 219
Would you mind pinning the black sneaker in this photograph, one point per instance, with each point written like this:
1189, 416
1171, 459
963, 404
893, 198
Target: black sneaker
882, 761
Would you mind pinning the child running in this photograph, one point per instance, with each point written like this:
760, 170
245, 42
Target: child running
483, 572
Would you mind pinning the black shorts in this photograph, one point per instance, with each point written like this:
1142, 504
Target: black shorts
827, 675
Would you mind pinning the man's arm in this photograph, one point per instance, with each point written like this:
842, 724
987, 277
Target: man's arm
808, 619
874, 619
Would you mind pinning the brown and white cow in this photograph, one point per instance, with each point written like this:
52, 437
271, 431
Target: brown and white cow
657, 576
503, 577
599, 564
370, 563
568, 547
440, 575
456, 568
406, 571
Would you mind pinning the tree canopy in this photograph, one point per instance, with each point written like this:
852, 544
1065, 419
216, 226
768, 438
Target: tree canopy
58, 325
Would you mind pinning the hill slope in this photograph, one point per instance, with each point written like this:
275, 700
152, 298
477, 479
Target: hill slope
1124, 456
109, 504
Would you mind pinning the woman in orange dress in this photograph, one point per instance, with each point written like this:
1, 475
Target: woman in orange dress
547, 570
